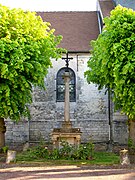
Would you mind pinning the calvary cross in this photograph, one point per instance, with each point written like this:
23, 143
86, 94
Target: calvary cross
67, 59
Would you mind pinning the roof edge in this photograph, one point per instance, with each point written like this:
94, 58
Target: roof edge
65, 11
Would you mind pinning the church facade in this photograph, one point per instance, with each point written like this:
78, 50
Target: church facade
89, 108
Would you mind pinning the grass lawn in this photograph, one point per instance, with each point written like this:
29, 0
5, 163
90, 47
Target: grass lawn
99, 158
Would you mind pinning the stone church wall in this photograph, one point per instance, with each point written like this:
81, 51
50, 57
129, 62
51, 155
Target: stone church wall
89, 112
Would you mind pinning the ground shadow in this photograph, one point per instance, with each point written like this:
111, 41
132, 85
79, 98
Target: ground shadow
61, 172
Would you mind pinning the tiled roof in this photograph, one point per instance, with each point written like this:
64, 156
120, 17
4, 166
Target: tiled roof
77, 28
106, 6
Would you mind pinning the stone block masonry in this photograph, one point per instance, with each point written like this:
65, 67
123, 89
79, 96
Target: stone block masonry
89, 112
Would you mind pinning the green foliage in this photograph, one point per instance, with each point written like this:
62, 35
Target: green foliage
81, 152
66, 152
85, 151
5, 149
106, 158
55, 154
38, 152
26, 46
112, 64
131, 147
78, 156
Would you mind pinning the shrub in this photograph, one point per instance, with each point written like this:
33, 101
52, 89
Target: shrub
5, 149
67, 152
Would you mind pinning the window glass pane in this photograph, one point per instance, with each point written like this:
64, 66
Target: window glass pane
61, 88
60, 85
60, 97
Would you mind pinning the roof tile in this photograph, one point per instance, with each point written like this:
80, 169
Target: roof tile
77, 28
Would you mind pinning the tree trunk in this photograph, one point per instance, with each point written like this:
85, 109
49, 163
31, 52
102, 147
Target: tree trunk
132, 131
131, 140
2, 132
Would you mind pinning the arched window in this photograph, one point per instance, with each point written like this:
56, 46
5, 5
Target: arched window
60, 85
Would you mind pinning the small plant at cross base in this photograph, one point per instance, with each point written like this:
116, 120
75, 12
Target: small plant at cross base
66, 152
83, 151
37, 152
5, 149
55, 154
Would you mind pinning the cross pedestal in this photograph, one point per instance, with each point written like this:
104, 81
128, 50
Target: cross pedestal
73, 138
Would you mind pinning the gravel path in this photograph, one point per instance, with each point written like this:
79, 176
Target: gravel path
41, 172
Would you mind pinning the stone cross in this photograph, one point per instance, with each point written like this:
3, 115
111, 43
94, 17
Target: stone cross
67, 77
67, 59
67, 99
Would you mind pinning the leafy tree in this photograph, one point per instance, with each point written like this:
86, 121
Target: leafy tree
26, 46
112, 64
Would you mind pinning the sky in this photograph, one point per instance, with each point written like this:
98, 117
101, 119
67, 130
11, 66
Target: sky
51, 5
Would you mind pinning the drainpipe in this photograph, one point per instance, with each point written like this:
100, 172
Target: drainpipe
28, 129
77, 62
110, 142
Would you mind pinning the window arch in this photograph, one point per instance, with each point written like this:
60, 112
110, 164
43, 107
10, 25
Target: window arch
60, 85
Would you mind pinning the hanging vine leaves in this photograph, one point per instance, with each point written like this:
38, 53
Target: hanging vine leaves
26, 46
